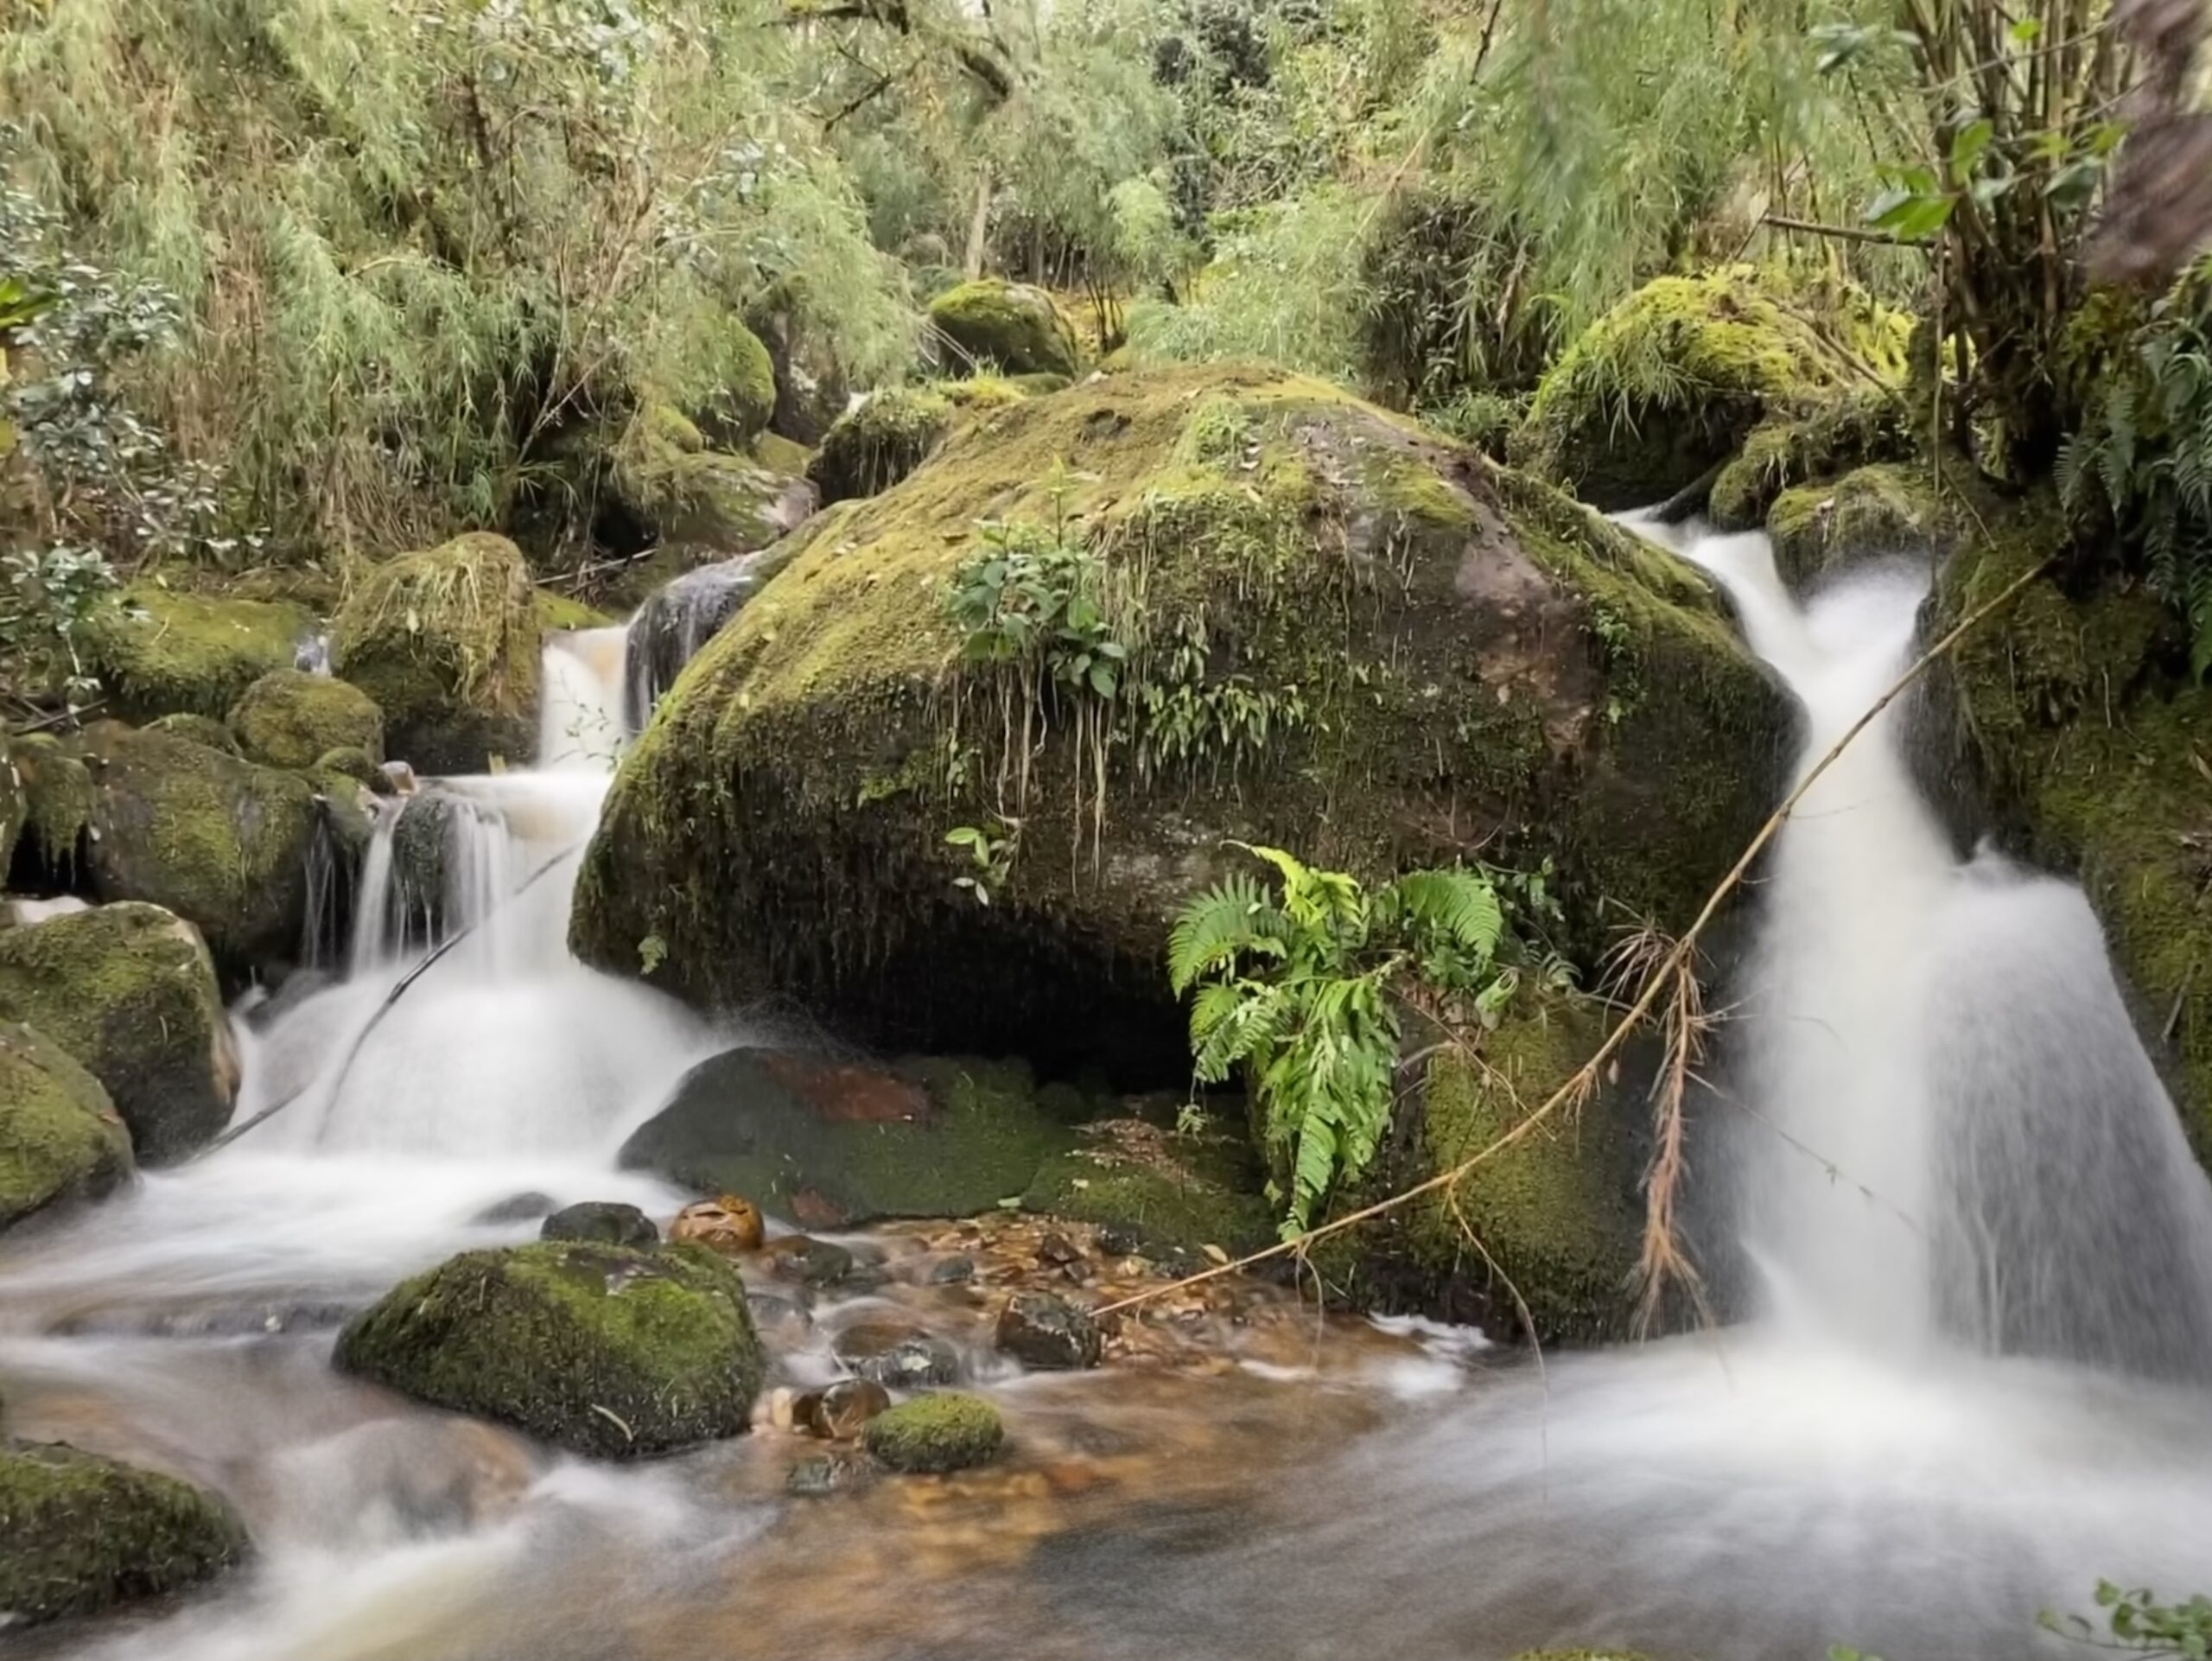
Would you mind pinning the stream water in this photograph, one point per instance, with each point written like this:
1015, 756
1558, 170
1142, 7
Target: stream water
1980, 1381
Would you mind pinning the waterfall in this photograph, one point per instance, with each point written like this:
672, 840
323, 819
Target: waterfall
1950, 1131
680, 617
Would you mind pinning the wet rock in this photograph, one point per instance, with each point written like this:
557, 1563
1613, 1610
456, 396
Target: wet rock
824, 1474
130, 991
604, 1350
1057, 1249
834, 1143
677, 619
810, 1262
61, 1138
164, 652
608, 1222
839, 1412
222, 843
520, 1208
394, 779
901, 1357
1041, 1330
728, 1224
1118, 1242
952, 1271
79, 1533
784, 1320
942, 1431
291, 719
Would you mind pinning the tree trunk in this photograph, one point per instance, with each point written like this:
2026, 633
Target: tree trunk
979, 225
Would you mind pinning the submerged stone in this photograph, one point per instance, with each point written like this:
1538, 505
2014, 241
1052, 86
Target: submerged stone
79, 1534
839, 1412
606, 1221
901, 1357
1040, 1330
603, 1349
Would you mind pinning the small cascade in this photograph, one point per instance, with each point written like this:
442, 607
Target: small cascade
580, 715
679, 619
1953, 1133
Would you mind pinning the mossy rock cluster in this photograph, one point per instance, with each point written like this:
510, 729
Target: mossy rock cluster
2076, 716
685, 493
873, 448
1870, 514
129, 992
1011, 327
837, 1143
290, 718
606, 1351
1871, 425
1672, 379
61, 1138
79, 1534
169, 653
944, 1431
445, 642
46, 810
221, 842
1445, 659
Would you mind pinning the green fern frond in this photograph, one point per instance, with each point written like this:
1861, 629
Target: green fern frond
1459, 902
1236, 915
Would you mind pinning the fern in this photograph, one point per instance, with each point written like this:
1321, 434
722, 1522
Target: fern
1299, 988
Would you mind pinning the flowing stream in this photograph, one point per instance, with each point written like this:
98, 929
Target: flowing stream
1979, 1383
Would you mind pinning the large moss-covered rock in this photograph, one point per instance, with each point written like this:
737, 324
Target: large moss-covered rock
605, 1350
222, 843
1343, 638
2075, 715
130, 991
684, 494
744, 397
290, 718
1009, 326
833, 1143
873, 448
165, 652
1671, 381
1871, 514
79, 1533
446, 643
1170, 1192
61, 1138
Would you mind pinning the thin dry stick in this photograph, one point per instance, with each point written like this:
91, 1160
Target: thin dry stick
1584, 1078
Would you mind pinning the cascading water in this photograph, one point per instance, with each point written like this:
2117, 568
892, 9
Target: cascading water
1981, 1246
679, 619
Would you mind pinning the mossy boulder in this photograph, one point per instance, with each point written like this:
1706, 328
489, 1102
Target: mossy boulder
873, 448
1343, 638
445, 642
738, 410
1867, 426
1672, 380
348, 762
833, 1143
61, 1138
203, 730
605, 1350
944, 1431
51, 789
166, 653
79, 1534
1555, 1218
1012, 328
290, 718
1871, 514
2076, 719
684, 494
222, 843
130, 991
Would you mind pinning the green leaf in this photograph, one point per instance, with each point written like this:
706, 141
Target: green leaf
1968, 146
2024, 32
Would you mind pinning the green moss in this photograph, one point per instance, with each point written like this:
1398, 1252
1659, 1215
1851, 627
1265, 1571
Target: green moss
780, 454
446, 643
60, 1137
1857, 426
54, 790
873, 448
173, 653
2080, 718
1869, 513
743, 1123
356, 765
79, 1533
696, 497
561, 611
222, 843
604, 1350
944, 1431
1352, 640
130, 991
1671, 380
288, 717
745, 397
1010, 327
200, 729
1174, 1192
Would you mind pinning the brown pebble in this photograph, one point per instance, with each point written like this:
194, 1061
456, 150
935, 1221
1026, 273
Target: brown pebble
838, 1413
727, 1225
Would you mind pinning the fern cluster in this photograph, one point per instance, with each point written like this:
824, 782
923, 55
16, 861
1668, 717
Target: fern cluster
1302, 988
2139, 464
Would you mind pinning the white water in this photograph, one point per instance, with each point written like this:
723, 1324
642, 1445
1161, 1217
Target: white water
1909, 1453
